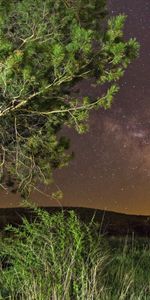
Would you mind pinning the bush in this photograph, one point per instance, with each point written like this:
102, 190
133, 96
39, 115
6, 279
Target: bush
59, 257
55, 257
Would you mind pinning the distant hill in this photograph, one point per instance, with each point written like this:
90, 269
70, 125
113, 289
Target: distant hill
111, 223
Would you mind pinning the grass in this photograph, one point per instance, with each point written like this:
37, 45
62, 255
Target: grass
58, 257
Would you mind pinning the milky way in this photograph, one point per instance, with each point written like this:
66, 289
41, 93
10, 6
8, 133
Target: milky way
111, 168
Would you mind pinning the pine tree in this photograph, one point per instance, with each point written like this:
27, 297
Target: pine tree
46, 47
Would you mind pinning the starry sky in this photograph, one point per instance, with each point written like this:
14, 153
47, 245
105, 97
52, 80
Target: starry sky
111, 168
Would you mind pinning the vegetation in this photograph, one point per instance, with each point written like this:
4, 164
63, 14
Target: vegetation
46, 48
59, 257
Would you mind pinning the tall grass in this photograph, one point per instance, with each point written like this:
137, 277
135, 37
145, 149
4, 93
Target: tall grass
58, 257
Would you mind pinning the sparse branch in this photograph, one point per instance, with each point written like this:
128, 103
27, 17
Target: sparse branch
45, 51
3, 157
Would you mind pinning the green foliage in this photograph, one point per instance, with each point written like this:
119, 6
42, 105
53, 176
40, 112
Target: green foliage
51, 257
46, 48
57, 256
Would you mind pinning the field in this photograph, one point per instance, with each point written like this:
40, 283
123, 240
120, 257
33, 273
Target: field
59, 257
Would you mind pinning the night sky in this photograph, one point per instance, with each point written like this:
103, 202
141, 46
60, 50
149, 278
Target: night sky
111, 168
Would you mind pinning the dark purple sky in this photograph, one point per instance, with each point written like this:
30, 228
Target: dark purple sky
111, 168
